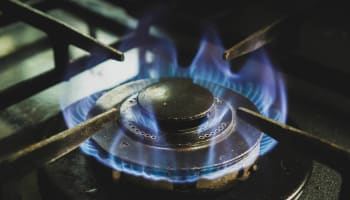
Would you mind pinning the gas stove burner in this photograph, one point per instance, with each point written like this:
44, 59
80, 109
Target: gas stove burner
183, 115
158, 146
178, 131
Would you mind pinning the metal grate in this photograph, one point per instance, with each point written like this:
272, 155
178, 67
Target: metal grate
61, 36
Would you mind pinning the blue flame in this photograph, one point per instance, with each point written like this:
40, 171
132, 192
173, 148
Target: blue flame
257, 80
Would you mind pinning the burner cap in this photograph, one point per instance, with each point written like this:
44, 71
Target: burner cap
176, 102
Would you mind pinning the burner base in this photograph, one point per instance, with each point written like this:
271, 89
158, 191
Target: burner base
281, 174
200, 185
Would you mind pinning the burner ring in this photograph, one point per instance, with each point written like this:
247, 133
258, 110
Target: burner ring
146, 129
229, 152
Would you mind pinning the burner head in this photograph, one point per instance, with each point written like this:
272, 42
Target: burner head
177, 131
176, 103
190, 117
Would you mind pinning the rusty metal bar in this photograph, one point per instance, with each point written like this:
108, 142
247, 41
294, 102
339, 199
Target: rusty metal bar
61, 57
23, 160
57, 29
283, 27
301, 141
254, 41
